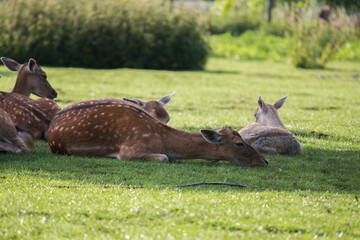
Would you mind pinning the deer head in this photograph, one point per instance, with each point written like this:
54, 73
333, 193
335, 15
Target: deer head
154, 108
230, 144
267, 115
30, 79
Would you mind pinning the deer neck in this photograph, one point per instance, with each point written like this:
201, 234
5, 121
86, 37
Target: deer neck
276, 122
273, 121
185, 145
20, 86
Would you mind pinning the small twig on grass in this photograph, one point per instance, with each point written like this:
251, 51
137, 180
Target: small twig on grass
210, 183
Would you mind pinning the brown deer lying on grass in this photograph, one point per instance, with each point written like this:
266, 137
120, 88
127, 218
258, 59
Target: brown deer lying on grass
29, 114
107, 128
12, 139
268, 134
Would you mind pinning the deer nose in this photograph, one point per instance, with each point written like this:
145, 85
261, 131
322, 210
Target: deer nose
266, 162
54, 94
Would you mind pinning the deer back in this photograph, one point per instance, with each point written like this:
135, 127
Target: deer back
271, 140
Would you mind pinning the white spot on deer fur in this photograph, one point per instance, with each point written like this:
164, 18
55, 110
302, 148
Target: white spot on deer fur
146, 135
102, 114
133, 128
61, 129
95, 116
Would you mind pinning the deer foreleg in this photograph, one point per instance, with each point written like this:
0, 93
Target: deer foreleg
144, 156
6, 147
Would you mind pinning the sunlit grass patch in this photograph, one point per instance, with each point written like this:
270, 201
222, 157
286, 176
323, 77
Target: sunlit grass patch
313, 194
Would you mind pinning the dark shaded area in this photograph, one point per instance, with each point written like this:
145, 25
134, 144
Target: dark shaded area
314, 170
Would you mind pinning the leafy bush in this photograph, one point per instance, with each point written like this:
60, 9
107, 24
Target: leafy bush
250, 45
278, 28
349, 51
235, 23
316, 44
101, 34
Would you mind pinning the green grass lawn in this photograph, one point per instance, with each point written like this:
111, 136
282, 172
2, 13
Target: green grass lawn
311, 195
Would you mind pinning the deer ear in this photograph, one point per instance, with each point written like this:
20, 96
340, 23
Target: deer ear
262, 105
11, 64
279, 103
31, 65
211, 136
164, 100
135, 101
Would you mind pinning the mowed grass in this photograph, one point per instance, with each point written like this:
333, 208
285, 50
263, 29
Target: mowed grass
311, 195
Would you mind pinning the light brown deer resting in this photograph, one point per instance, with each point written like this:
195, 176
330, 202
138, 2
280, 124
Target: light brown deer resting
107, 128
268, 134
26, 113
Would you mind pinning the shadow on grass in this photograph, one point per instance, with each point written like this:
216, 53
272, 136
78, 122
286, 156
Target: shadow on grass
314, 170
222, 72
272, 75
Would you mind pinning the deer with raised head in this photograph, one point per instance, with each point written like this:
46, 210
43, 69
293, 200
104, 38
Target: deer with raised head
127, 132
30, 114
268, 134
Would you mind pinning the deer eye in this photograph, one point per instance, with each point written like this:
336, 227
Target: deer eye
240, 144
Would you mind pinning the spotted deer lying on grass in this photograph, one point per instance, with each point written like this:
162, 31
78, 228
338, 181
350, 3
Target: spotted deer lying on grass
268, 134
26, 113
12, 139
107, 128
